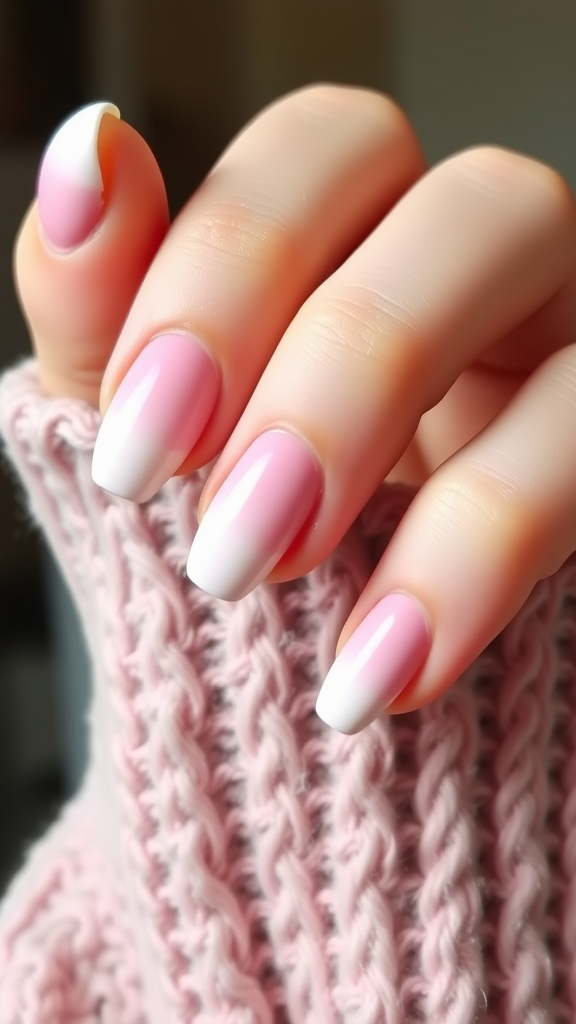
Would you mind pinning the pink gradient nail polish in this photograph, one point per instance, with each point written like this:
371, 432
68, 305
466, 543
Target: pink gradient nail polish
156, 416
375, 665
255, 515
69, 188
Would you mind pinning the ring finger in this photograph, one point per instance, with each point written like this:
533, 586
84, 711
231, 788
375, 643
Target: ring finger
477, 253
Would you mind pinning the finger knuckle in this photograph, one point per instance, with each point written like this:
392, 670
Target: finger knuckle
332, 328
356, 328
488, 506
325, 102
236, 232
498, 171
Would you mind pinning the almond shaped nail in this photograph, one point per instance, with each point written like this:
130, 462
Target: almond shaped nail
156, 416
375, 665
255, 516
69, 186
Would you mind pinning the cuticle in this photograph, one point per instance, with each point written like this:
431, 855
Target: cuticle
430, 625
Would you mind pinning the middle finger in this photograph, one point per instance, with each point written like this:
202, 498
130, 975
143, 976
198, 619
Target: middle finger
474, 250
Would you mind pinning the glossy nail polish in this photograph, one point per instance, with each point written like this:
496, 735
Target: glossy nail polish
375, 665
255, 515
69, 188
156, 416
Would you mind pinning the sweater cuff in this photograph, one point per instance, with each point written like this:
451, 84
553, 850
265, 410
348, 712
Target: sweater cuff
40, 431
49, 442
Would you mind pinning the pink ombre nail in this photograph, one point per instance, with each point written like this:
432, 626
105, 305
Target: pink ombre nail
156, 416
255, 515
70, 181
379, 660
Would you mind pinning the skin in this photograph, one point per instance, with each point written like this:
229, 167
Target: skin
410, 324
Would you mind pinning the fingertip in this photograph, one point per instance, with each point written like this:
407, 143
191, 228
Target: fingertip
133, 187
76, 300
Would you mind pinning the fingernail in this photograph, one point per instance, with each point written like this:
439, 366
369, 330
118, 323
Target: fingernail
255, 515
375, 665
156, 416
69, 186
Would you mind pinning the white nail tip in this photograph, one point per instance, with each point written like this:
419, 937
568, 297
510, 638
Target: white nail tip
346, 708
72, 152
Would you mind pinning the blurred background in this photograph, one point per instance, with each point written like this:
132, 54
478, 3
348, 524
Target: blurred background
188, 74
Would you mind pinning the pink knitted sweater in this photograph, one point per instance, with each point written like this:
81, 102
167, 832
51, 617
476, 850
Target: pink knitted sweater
230, 860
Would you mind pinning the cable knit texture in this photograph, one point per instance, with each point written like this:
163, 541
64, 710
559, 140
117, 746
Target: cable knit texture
230, 860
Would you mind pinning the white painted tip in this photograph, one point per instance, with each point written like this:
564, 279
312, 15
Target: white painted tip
72, 152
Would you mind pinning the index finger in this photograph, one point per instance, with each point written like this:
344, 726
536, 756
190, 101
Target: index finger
287, 202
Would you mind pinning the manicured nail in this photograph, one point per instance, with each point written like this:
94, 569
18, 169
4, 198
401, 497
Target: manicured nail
379, 660
255, 515
156, 416
69, 186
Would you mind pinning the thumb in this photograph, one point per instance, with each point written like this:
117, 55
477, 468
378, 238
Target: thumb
85, 245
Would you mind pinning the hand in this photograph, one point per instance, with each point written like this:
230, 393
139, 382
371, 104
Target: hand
329, 315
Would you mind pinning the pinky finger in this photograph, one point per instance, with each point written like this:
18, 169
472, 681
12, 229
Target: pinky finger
495, 518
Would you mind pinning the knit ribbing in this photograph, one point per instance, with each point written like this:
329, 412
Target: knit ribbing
230, 860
